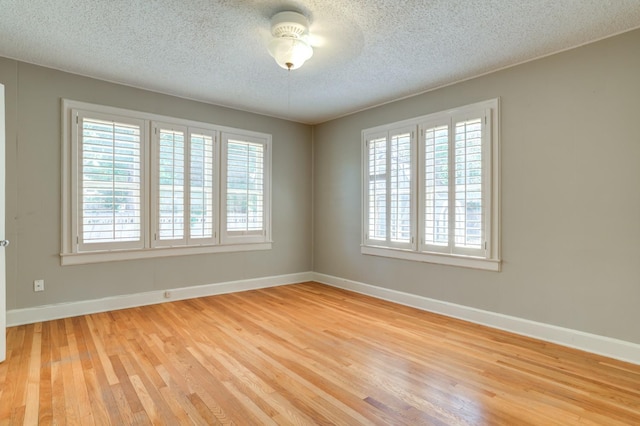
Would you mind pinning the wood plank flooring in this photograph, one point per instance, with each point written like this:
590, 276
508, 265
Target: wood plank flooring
301, 354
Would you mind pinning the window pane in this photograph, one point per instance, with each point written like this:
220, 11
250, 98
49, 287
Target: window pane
245, 186
400, 188
171, 185
110, 197
378, 189
436, 185
468, 184
202, 202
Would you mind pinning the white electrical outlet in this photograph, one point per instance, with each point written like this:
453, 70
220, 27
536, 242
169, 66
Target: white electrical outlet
167, 294
38, 285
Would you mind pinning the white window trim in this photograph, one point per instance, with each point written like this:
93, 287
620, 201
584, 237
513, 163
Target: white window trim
491, 261
119, 255
70, 253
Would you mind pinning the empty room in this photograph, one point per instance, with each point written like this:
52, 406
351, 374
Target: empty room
305, 212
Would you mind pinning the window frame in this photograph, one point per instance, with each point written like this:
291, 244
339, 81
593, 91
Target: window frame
74, 252
487, 258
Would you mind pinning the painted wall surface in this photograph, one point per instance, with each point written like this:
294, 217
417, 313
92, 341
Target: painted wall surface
33, 194
570, 193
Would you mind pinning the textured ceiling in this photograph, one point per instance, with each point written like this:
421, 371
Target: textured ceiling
366, 52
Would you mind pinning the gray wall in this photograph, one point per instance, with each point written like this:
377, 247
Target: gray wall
570, 193
33, 194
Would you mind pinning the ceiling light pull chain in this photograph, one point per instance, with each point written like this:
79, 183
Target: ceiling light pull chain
289, 91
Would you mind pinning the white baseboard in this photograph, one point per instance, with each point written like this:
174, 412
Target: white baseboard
612, 348
71, 309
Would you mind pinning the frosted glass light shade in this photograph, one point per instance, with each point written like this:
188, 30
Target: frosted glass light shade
290, 52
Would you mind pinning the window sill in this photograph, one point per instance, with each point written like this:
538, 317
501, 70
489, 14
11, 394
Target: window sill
118, 255
442, 259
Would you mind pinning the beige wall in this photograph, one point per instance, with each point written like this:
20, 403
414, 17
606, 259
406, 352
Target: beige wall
33, 194
570, 193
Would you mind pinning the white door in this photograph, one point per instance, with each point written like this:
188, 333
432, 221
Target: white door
3, 242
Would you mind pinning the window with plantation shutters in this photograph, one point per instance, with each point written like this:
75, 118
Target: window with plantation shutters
245, 188
389, 164
110, 195
138, 185
448, 202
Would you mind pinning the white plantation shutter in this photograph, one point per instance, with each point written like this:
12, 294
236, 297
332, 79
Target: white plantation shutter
185, 185
469, 220
170, 173
203, 169
400, 188
436, 186
109, 181
245, 188
377, 199
455, 156
389, 195
245, 185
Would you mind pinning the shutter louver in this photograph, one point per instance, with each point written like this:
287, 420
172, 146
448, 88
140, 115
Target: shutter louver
110, 182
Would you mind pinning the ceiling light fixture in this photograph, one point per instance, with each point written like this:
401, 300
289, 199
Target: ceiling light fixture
290, 46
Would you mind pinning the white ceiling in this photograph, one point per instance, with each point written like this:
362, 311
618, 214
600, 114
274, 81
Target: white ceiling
367, 52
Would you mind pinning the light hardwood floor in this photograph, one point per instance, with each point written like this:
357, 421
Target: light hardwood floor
301, 354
